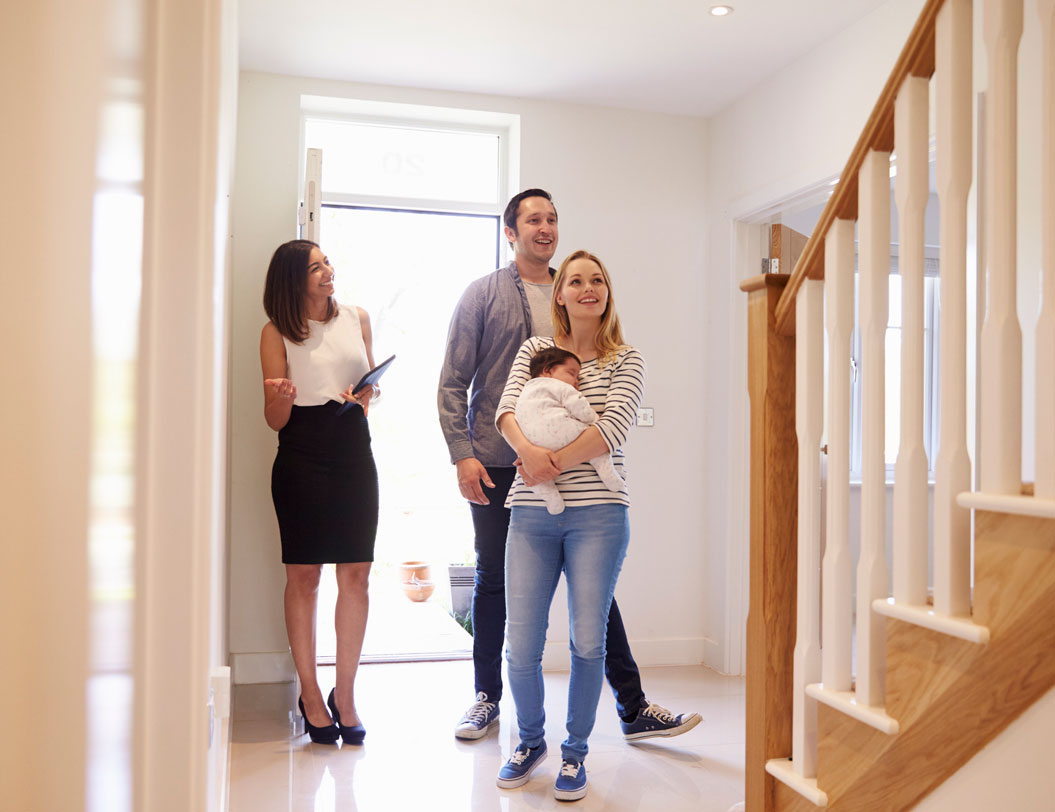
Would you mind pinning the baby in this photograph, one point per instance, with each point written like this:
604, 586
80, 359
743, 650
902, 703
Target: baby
552, 413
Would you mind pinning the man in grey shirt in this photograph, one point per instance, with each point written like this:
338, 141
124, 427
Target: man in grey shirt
495, 315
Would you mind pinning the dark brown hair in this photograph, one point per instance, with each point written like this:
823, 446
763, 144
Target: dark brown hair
284, 290
548, 357
509, 217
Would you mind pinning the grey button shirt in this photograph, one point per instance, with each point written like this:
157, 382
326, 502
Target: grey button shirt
490, 322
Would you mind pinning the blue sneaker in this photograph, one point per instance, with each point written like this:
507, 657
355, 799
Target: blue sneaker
571, 781
521, 764
655, 720
478, 719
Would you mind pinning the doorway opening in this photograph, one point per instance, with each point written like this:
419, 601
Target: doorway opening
408, 269
407, 202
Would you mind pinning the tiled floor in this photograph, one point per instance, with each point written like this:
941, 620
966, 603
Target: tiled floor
411, 760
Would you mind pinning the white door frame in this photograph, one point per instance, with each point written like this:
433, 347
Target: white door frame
748, 227
191, 81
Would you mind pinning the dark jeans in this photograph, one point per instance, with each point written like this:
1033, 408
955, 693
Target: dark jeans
491, 524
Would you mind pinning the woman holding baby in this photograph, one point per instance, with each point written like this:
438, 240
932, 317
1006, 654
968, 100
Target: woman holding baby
587, 540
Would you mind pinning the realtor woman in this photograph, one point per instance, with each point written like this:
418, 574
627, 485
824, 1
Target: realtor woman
323, 482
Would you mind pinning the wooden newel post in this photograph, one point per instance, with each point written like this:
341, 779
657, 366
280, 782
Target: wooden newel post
774, 512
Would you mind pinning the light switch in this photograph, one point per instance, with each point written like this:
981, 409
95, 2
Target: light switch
644, 417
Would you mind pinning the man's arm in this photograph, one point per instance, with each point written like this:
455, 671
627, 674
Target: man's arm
460, 363
471, 473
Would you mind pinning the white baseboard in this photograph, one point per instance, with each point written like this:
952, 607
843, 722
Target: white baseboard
262, 667
717, 658
247, 669
668, 651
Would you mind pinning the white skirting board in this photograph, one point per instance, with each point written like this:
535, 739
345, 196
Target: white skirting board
267, 667
262, 667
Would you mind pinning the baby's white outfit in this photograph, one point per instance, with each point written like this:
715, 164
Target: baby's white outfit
552, 413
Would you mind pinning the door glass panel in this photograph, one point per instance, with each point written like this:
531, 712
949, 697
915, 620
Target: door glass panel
408, 269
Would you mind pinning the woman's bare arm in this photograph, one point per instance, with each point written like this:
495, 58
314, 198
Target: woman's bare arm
279, 391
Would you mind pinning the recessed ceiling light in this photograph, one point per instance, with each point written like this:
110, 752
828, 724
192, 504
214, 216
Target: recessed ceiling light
721, 11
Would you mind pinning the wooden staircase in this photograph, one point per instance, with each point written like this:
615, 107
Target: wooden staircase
939, 673
950, 697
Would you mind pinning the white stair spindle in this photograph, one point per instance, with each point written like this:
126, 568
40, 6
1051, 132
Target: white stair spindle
912, 189
1001, 339
952, 468
1044, 483
809, 424
837, 566
873, 301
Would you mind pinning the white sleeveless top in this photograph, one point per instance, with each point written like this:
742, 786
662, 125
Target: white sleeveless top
331, 358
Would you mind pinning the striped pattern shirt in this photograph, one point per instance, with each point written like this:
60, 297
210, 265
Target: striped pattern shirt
614, 392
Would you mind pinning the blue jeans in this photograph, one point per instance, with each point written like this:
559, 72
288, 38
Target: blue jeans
491, 525
588, 544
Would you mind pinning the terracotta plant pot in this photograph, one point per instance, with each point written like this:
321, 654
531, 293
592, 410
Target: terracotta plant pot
418, 590
409, 570
416, 580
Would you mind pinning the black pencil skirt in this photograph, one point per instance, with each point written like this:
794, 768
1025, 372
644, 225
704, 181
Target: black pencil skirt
324, 485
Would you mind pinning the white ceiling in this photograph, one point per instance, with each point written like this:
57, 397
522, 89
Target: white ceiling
667, 56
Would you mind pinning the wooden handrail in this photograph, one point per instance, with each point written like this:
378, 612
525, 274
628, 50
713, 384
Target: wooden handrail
916, 59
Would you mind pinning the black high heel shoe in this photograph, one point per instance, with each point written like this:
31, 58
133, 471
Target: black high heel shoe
320, 735
353, 734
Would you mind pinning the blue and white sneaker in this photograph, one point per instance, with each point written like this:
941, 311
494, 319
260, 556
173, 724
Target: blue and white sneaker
478, 719
655, 720
571, 781
521, 764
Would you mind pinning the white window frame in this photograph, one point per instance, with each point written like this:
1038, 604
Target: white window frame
505, 126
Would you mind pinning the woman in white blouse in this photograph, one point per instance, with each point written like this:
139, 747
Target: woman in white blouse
324, 482
587, 541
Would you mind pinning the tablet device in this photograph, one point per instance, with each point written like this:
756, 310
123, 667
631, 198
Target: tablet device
370, 378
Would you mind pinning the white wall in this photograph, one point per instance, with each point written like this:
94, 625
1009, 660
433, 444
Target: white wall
630, 187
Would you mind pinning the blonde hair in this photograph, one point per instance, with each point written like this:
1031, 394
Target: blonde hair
609, 336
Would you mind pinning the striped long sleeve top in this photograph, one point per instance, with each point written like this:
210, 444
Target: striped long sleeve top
614, 391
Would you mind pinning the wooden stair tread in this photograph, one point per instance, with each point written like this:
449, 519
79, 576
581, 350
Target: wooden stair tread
963, 627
